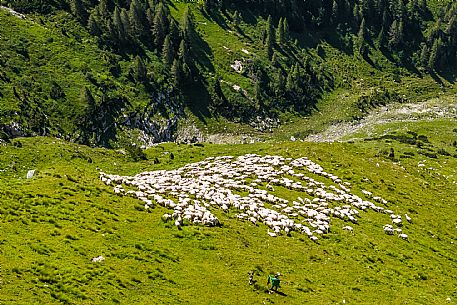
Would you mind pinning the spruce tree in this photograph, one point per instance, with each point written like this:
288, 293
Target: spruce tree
356, 14
280, 32
451, 28
137, 20
139, 70
269, 31
187, 24
173, 31
103, 9
279, 84
184, 57
150, 16
361, 39
86, 98
121, 36
167, 52
176, 72
93, 25
159, 29
274, 60
433, 58
382, 38
396, 34
285, 26
125, 20
362, 34
335, 12
78, 10
183, 52
424, 55
290, 82
236, 19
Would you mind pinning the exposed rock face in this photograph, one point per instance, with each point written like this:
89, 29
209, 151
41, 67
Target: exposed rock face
13, 130
264, 123
189, 134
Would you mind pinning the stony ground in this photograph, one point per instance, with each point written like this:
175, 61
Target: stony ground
437, 108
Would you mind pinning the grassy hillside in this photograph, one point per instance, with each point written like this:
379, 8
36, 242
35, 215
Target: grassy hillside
47, 60
66, 79
54, 224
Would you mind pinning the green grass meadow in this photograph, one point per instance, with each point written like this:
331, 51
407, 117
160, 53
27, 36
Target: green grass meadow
53, 224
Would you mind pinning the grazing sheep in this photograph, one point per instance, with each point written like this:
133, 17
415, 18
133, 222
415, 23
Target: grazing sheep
348, 228
195, 189
408, 219
271, 234
98, 259
403, 236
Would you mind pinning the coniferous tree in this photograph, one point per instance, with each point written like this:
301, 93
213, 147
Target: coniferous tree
269, 32
285, 26
382, 38
176, 72
280, 32
362, 34
356, 14
335, 12
137, 20
236, 19
396, 34
183, 52
110, 32
361, 39
413, 9
399, 9
451, 28
139, 70
274, 60
87, 119
424, 55
386, 20
121, 35
279, 84
173, 31
103, 9
291, 78
125, 20
93, 25
184, 57
433, 58
86, 98
159, 29
78, 10
187, 24
167, 52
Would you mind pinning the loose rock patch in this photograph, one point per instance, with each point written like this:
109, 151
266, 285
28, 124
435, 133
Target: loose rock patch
246, 185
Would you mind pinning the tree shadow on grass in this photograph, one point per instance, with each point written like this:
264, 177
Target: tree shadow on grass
197, 92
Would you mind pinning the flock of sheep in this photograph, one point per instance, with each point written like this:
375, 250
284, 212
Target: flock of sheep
249, 186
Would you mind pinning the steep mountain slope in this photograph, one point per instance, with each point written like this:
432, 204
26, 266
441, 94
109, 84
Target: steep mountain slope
79, 77
116, 72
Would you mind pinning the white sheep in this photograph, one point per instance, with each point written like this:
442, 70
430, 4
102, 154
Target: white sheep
194, 189
348, 228
403, 236
408, 219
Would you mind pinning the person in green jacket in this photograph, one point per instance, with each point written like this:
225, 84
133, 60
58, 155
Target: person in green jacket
275, 281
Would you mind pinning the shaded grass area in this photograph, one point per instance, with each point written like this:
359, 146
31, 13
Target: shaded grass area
53, 225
